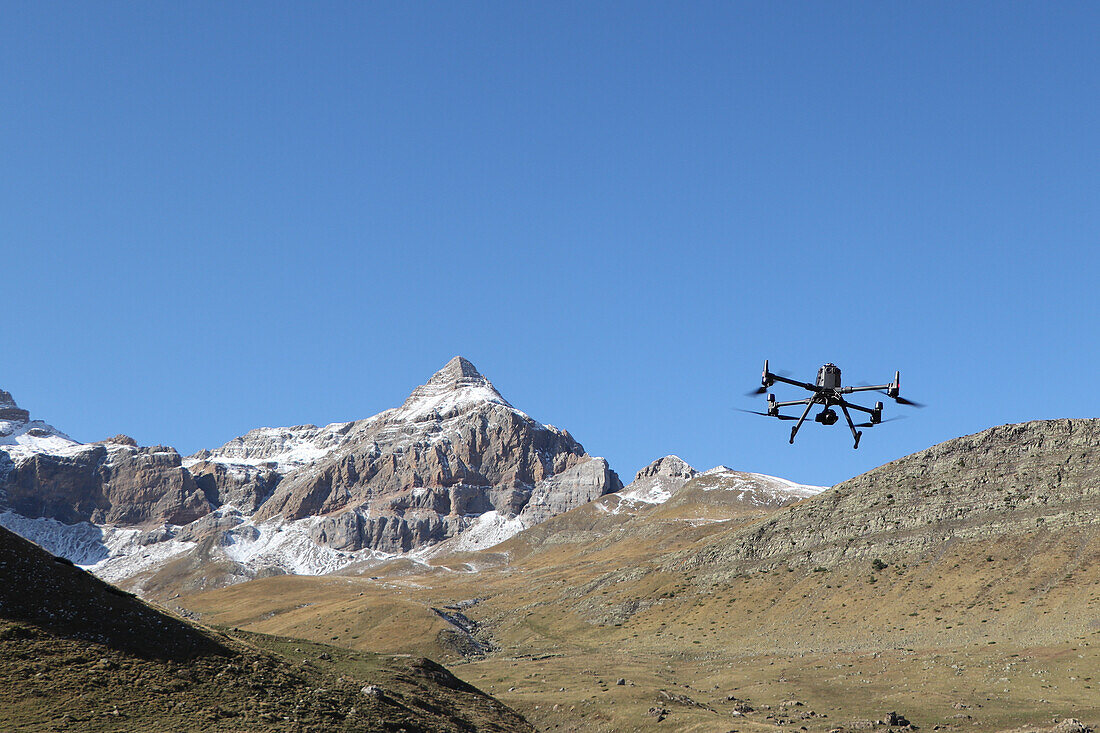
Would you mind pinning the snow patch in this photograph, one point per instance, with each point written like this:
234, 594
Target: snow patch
656, 492
290, 547
486, 530
758, 488
112, 553
22, 440
284, 449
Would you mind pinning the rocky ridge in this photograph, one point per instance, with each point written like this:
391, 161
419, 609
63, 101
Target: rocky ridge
669, 504
1010, 479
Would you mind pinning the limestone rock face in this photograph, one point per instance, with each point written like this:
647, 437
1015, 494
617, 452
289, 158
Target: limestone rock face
1005, 480
64, 487
124, 485
148, 485
243, 486
569, 489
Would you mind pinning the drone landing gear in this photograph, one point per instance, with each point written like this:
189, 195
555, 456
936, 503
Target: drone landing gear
857, 434
809, 406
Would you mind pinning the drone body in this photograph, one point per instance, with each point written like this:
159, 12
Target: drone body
829, 392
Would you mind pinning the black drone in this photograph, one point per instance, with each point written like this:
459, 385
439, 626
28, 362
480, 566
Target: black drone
827, 393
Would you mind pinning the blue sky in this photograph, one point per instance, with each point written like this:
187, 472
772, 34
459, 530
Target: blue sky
219, 216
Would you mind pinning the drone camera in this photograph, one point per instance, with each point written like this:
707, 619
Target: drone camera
827, 417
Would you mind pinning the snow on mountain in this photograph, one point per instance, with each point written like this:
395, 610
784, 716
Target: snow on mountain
117, 553
756, 488
721, 468
22, 438
671, 481
455, 389
112, 553
484, 531
284, 449
288, 546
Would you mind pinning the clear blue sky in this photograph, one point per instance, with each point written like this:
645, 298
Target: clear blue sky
218, 216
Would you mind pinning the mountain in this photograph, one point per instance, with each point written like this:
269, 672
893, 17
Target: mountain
78, 654
455, 456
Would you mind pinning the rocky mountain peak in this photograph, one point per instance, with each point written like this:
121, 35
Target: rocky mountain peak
454, 389
458, 368
11, 411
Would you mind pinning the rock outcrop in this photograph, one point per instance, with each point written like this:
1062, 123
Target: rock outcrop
659, 480
11, 411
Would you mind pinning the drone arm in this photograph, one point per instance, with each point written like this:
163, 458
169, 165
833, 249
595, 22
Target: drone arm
855, 433
861, 408
865, 388
797, 425
794, 402
796, 383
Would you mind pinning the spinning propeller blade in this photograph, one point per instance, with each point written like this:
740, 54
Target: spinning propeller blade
781, 417
900, 400
872, 424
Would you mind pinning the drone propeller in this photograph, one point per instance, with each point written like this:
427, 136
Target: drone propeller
781, 417
901, 400
872, 424
762, 390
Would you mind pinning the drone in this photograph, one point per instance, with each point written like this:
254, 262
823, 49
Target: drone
828, 393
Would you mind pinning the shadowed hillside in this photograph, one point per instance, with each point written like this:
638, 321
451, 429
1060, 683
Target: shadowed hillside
78, 654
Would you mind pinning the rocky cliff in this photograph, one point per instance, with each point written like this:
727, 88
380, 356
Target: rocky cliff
1002, 481
45, 473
